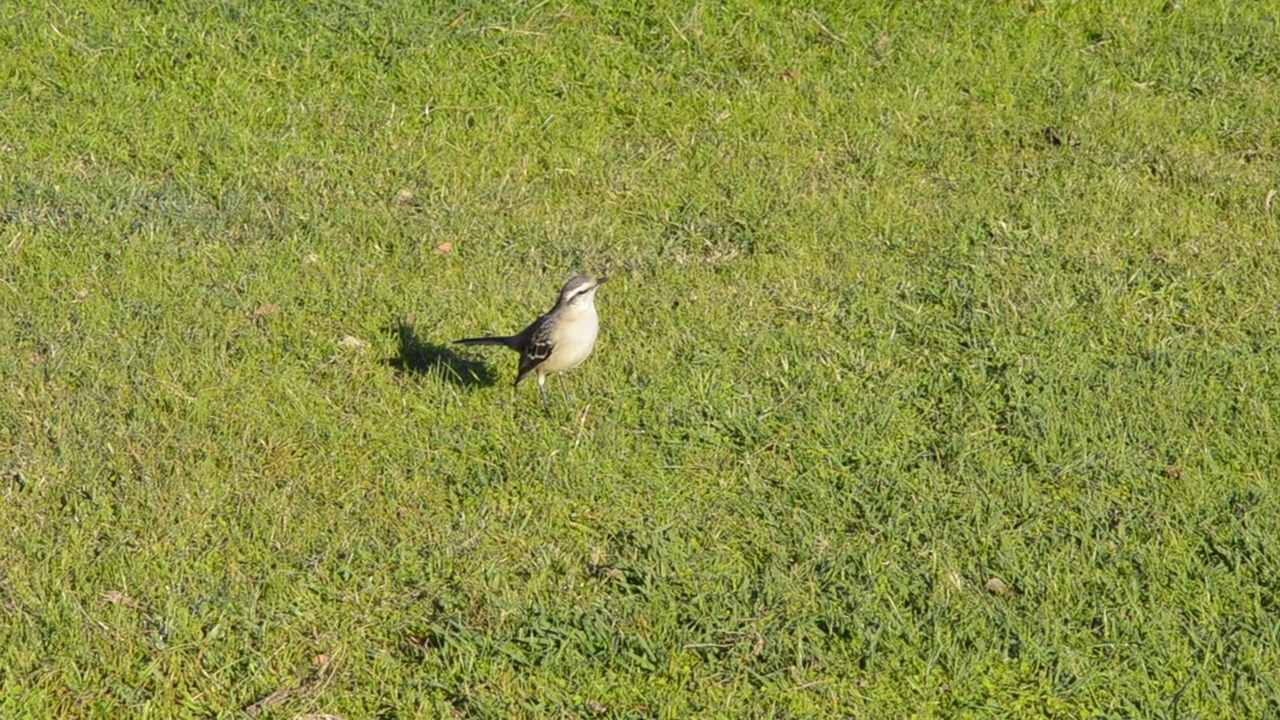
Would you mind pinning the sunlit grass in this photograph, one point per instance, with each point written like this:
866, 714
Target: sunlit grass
906, 299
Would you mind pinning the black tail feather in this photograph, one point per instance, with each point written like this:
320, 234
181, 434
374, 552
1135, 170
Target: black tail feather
484, 341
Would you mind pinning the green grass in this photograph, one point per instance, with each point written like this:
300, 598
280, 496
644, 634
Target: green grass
907, 297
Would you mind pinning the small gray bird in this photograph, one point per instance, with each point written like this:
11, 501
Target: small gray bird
558, 341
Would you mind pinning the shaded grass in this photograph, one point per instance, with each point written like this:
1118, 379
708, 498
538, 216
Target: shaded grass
907, 298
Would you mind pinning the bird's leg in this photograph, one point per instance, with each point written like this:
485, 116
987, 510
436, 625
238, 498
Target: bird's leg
542, 390
564, 386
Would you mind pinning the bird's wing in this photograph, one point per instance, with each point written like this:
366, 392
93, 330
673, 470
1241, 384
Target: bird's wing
537, 347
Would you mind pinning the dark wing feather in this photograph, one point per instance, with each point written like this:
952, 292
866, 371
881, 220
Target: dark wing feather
536, 348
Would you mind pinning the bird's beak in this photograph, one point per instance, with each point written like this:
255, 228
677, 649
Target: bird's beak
601, 281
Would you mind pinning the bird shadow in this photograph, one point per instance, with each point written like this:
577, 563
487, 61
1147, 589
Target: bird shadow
421, 357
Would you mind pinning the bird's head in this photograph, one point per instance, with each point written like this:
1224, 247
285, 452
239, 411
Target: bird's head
581, 290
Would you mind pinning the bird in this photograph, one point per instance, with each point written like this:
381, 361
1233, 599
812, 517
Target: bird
558, 341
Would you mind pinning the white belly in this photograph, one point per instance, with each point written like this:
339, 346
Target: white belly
575, 343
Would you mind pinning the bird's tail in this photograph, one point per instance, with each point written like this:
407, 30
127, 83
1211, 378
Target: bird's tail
495, 340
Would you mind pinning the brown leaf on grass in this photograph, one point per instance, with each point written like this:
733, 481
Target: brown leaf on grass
404, 197
275, 698
265, 310
1271, 198
597, 707
882, 45
444, 248
116, 597
786, 74
312, 684
351, 341
80, 296
317, 716
996, 586
1172, 472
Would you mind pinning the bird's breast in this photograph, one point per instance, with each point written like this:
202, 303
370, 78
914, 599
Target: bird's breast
577, 340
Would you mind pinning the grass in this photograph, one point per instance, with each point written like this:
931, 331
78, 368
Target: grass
907, 297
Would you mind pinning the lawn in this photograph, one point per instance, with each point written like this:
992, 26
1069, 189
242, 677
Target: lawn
939, 375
